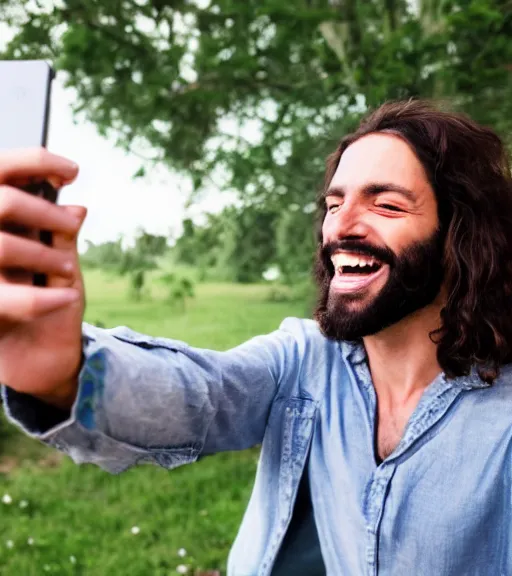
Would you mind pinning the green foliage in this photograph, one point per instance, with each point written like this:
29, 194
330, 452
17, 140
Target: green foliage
248, 243
170, 73
238, 243
301, 293
252, 95
296, 243
149, 244
137, 279
105, 256
179, 290
133, 262
199, 245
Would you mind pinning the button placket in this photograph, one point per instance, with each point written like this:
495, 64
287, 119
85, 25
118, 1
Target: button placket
373, 510
298, 430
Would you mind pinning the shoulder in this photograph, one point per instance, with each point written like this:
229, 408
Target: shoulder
501, 389
317, 358
305, 333
309, 338
493, 403
301, 326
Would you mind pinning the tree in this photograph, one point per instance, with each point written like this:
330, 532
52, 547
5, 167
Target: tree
179, 289
106, 256
172, 72
136, 261
149, 244
295, 243
248, 242
252, 95
133, 262
200, 244
237, 245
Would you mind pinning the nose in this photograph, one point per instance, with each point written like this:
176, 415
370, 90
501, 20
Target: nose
347, 222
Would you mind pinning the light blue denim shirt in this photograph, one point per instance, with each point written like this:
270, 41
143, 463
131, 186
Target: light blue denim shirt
440, 505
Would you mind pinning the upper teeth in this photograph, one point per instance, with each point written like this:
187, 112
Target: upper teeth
341, 259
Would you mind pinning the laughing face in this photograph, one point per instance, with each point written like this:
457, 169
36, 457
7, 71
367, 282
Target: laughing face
381, 258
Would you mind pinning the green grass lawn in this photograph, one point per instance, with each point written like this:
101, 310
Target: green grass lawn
67, 519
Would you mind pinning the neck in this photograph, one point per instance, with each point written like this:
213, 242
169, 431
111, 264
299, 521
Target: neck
402, 358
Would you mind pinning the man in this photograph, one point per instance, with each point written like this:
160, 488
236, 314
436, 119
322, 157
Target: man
386, 425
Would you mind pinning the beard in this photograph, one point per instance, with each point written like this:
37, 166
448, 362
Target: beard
414, 281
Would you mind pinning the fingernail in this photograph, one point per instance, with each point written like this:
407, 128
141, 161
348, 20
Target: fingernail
55, 298
77, 222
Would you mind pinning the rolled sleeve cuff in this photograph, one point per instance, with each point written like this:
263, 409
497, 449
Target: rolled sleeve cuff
82, 433
41, 420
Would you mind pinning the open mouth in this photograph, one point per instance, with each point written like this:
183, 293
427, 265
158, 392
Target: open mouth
355, 271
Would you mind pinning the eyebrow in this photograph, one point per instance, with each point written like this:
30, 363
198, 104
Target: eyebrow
374, 189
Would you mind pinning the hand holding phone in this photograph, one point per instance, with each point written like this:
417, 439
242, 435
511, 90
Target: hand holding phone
25, 93
40, 327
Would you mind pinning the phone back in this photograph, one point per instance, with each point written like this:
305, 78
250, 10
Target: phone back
24, 103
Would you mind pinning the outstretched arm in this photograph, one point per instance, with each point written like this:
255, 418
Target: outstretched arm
159, 400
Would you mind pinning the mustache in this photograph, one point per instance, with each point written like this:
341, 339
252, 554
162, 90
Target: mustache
381, 253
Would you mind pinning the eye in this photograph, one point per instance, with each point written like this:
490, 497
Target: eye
333, 208
390, 207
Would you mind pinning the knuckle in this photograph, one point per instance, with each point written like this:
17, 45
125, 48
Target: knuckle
7, 201
30, 308
40, 155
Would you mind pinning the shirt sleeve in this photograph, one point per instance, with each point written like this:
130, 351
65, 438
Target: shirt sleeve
144, 399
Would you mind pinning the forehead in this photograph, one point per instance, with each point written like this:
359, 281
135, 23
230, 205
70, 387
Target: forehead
381, 158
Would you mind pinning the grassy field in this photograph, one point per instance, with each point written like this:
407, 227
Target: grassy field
59, 518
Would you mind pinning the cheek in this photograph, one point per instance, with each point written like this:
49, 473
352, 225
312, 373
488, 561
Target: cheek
401, 234
395, 232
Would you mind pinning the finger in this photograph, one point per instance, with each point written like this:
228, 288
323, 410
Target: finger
24, 303
30, 211
68, 243
36, 163
20, 253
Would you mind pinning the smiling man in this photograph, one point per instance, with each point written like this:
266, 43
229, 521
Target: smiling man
385, 423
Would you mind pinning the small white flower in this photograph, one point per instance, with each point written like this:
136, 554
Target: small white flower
6, 499
72, 559
9, 544
135, 529
23, 504
30, 541
182, 552
181, 569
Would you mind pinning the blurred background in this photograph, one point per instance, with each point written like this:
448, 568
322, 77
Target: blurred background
201, 128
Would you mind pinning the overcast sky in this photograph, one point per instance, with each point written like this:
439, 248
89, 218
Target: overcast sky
117, 203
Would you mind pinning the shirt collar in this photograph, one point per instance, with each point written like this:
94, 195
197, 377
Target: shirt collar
354, 353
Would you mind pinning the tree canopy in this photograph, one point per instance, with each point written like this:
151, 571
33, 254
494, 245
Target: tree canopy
252, 95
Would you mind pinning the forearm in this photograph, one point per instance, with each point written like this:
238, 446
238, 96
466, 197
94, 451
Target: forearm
143, 398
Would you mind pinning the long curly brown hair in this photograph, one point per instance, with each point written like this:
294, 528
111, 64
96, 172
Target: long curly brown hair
469, 170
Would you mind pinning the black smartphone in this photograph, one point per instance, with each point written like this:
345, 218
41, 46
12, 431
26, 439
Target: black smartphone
25, 94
